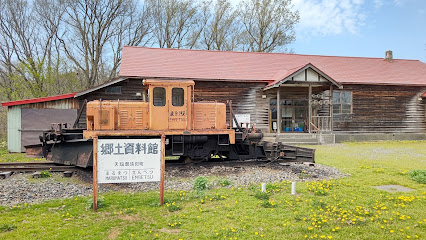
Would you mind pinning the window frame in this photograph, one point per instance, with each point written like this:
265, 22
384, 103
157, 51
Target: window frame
341, 103
181, 99
110, 90
154, 103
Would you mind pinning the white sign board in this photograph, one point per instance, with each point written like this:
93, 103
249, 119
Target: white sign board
243, 120
129, 160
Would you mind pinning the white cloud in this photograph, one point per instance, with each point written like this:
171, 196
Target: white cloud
398, 3
329, 17
378, 3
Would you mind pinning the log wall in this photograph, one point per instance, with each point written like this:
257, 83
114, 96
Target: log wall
246, 99
383, 109
375, 108
129, 88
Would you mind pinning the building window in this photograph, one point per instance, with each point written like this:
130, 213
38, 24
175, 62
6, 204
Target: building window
113, 90
159, 96
178, 97
342, 102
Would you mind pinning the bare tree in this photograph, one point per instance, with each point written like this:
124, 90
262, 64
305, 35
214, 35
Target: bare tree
25, 47
88, 27
268, 25
133, 29
173, 22
221, 28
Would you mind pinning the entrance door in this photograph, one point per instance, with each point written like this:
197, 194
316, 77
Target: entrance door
178, 109
159, 109
294, 115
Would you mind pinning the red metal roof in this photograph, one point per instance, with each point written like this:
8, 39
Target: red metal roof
424, 95
36, 100
269, 67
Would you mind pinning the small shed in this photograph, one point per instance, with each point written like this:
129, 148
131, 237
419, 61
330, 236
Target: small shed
26, 119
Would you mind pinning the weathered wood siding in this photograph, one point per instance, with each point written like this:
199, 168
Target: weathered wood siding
246, 98
383, 109
129, 88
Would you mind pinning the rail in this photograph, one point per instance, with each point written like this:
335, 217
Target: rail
33, 166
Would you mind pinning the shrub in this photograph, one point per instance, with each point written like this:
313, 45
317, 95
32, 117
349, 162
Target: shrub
7, 227
200, 184
45, 174
224, 183
172, 207
101, 203
218, 197
269, 204
418, 176
262, 195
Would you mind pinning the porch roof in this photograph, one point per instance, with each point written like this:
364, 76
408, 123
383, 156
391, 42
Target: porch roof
286, 75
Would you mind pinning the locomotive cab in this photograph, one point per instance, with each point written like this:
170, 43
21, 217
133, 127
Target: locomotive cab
170, 105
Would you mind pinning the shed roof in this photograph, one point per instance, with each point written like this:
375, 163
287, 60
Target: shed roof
36, 100
106, 84
265, 67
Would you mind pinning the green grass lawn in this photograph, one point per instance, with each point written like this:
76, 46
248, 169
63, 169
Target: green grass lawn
348, 208
15, 157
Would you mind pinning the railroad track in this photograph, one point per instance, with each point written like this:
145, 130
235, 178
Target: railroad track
33, 166
236, 164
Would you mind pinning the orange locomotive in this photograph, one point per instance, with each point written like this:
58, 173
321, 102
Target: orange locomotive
195, 131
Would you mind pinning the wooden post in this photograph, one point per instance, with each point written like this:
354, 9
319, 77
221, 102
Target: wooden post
310, 108
278, 112
331, 108
95, 173
163, 166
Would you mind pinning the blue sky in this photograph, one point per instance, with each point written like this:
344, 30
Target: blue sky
361, 28
364, 28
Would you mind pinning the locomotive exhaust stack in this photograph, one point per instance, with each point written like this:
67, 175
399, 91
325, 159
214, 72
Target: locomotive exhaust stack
195, 131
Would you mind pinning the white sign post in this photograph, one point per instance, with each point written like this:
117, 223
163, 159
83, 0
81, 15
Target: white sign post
128, 160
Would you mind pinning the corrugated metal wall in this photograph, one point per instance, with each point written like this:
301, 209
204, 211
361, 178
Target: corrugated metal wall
68, 103
13, 129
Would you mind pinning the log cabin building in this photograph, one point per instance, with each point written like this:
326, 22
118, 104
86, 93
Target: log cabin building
291, 97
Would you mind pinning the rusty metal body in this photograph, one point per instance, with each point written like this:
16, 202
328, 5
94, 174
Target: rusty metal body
170, 107
193, 130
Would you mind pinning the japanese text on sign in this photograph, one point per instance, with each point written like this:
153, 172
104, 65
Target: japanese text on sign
129, 160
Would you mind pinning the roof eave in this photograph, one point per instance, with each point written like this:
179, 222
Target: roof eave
37, 100
309, 65
120, 79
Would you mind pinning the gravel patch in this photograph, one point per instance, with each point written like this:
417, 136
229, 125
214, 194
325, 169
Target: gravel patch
22, 188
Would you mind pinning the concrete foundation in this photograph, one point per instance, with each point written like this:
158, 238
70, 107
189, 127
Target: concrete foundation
365, 137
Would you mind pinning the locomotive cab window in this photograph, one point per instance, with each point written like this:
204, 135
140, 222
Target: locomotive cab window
159, 96
178, 97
